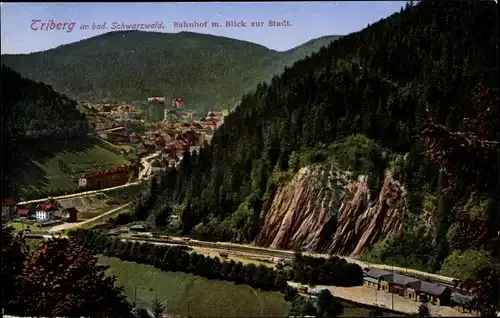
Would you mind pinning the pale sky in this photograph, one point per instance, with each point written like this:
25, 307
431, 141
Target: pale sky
308, 20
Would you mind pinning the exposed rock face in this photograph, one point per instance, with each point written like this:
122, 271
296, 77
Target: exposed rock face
334, 216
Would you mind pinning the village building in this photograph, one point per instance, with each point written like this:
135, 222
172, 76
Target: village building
109, 178
462, 303
118, 134
170, 157
146, 148
407, 287
24, 213
192, 138
68, 212
134, 138
106, 108
159, 142
160, 101
71, 214
140, 228
45, 211
8, 208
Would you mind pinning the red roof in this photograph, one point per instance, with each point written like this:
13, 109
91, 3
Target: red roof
179, 144
9, 202
47, 207
121, 169
23, 212
146, 145
190, 136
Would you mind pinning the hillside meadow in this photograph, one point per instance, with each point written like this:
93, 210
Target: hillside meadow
60, 170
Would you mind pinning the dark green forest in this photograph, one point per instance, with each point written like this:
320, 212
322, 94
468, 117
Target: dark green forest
207, 71
36, 120
414, 93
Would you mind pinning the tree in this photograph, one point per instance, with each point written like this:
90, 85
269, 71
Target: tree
302, 306
487, 295
376, 313
327, 305
14, 252
63, 279
141, 313
469, 157
158, 308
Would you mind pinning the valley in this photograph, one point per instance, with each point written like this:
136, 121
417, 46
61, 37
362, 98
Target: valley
348, 176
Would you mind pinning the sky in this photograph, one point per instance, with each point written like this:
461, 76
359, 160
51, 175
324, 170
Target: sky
307, 20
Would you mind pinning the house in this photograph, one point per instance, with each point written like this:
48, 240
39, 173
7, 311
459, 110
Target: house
191, 137
178, 102
139, 228
158, 165
462, 303
106, 108
135, 138
45, 212
160, 101
8, 208
109, 178
118, 134
436, 294
72, 214
398, 284
406, 286
146, 148
179, 146
196, 126
23, 213
159, 142
377, 278
170, 156
302, 290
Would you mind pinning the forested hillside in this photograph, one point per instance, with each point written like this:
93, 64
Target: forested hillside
36, 120
418, 91
207, 71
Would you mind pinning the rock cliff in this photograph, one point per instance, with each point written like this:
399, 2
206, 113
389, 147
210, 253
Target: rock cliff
332, 212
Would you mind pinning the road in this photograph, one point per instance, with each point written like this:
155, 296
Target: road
67, 226
81, 194
145, 161
143, 176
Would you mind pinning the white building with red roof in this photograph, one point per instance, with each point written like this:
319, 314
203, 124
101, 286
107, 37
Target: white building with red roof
45, 211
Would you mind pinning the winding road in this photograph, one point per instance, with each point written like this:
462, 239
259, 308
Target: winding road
144, 175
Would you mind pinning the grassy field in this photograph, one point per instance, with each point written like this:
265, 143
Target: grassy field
104, 219
35, 228
61, 170
207, 298
33, 244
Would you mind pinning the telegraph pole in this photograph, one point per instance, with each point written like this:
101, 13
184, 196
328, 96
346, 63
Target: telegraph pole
392, 294
135, 295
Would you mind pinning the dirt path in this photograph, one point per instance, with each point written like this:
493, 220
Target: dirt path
67, 226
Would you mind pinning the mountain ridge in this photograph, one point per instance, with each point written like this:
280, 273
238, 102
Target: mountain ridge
387, 99
206, 70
